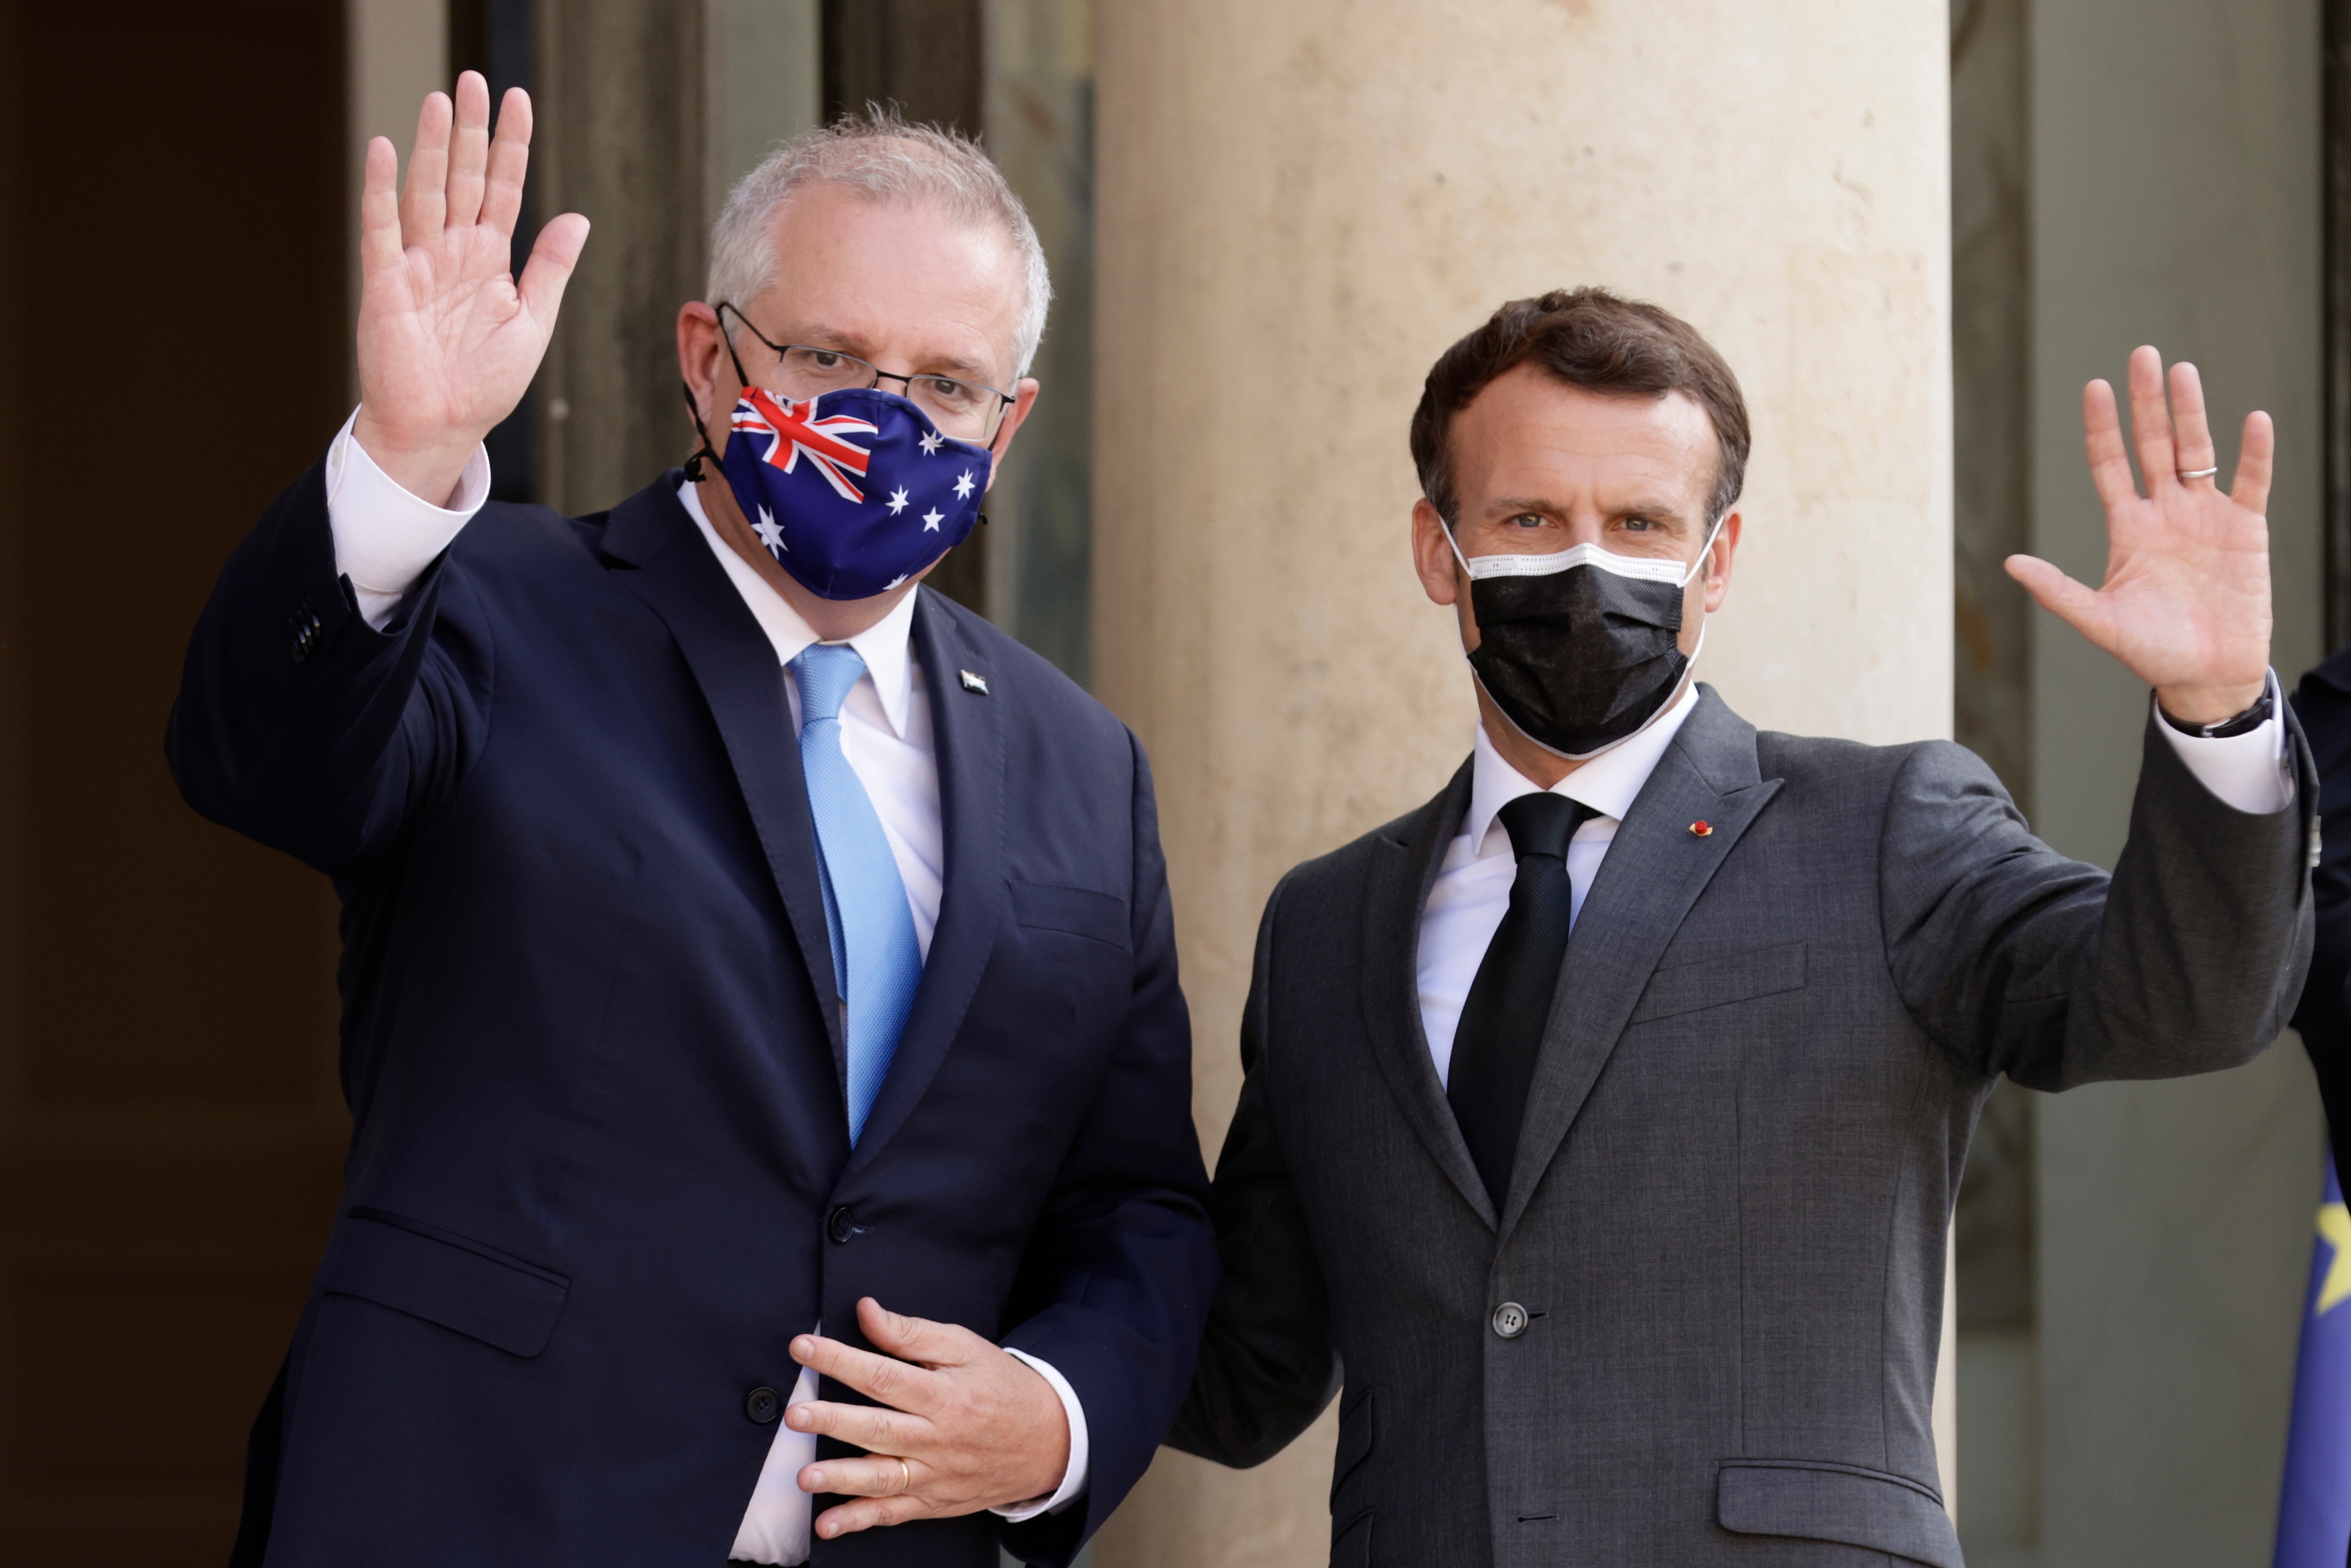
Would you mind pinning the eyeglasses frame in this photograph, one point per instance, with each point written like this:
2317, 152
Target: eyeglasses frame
1003, 399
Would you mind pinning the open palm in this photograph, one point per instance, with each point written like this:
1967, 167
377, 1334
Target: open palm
448, 338
2186, 600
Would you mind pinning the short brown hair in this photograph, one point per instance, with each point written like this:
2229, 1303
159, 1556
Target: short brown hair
1591, 338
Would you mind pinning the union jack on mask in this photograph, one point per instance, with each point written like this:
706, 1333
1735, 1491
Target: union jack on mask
851, 492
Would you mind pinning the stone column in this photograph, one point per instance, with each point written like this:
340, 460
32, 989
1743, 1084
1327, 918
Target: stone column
620, 131
1301, 206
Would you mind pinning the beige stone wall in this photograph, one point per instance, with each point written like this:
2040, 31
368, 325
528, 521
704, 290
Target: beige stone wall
1300, 204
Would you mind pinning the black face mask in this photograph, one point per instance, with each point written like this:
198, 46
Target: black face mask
1579, 649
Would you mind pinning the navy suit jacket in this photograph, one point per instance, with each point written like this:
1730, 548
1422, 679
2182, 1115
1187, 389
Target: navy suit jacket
600, 1173
2322, 703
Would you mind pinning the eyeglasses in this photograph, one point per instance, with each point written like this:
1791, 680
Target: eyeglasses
968, 411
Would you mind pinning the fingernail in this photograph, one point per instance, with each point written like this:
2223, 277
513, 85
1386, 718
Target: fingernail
802, 1348
816, 1479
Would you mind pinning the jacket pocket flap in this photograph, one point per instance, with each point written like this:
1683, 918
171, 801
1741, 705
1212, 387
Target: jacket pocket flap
1079, 911
1716, 982
444, 1279
1844, 1503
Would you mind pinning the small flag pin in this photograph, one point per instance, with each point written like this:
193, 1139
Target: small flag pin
972, 683
1701, 829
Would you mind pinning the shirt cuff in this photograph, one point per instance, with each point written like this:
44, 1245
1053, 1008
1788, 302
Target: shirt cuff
2251, 771
385, 537
1073, 1480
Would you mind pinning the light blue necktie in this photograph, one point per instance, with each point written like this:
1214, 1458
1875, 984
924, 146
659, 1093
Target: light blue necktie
876, 963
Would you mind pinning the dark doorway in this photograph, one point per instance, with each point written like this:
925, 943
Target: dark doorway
173, 286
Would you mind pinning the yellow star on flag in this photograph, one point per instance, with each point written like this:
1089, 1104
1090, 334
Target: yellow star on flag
2335, 1229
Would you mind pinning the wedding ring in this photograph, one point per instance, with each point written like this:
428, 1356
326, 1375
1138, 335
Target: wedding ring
2198, 473
906, 1478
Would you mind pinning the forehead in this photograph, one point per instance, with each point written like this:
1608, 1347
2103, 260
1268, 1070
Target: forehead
901, 279
1528, 434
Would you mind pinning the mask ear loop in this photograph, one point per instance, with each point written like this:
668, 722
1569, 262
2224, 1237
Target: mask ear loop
694, 469
1704, 550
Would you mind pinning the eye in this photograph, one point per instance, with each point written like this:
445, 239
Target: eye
950, 391
1529, 521
1639, 525
824, 359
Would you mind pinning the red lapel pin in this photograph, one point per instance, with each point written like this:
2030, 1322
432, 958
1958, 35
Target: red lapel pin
1701, 829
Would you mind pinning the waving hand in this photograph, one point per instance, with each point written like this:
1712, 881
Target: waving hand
2186, 600
448, 340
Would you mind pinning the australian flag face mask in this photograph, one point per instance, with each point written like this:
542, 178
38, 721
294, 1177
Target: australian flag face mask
852, 492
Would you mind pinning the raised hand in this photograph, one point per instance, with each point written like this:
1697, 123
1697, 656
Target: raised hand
962, 1426
448, 340
2186, 601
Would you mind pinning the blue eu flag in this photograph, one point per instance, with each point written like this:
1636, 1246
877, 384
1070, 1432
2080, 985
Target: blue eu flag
2314, 1515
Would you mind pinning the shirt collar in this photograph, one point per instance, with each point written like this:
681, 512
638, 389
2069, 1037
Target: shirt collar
886, 646
1608, 783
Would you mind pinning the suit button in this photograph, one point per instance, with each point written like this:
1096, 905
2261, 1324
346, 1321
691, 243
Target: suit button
1510, 1320
840, 1225
762, 1406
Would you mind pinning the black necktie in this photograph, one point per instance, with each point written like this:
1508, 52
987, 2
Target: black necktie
1502, 1021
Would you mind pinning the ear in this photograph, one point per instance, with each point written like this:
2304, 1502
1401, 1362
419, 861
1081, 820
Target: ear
1718, 561
703, 364
1432, 556
1024, 398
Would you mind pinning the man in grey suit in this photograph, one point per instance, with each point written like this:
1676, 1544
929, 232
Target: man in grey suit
1631, 1247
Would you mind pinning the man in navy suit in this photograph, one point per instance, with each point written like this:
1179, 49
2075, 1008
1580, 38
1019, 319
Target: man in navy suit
2323, 702
723, 957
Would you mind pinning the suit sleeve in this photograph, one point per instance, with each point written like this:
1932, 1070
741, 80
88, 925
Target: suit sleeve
1119, 1274
1267, 1368
2021, 961
302, 726
2322, 1017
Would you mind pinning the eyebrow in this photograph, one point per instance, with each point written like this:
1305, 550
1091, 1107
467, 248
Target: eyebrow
1514, 506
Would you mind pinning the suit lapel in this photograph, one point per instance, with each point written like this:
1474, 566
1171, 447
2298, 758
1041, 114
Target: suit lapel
1654, 872
1402, 872
735, 665
966, 731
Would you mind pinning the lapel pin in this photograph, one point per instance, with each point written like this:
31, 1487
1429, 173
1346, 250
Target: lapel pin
1701, 829
972, 683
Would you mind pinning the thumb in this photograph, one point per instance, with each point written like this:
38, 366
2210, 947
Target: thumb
549, 268
918, 1339
2059, 594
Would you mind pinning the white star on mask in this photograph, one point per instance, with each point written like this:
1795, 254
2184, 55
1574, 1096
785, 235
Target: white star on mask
897, 502
932, 442
932, 519
962, 487
770, 534
893, 582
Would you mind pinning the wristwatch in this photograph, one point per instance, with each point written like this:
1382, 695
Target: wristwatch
2245, 723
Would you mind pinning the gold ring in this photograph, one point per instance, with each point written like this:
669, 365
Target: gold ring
906, 1478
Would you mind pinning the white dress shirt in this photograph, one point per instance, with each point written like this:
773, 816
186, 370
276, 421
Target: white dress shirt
385, 537
2250, 772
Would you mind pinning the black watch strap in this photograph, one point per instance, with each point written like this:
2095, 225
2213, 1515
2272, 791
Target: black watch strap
2245, 723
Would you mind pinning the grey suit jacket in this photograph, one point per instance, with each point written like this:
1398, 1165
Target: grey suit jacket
1726, 1223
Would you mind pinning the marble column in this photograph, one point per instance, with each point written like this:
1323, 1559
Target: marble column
1300, 206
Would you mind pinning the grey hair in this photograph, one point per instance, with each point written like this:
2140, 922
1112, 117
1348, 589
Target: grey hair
880, 156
